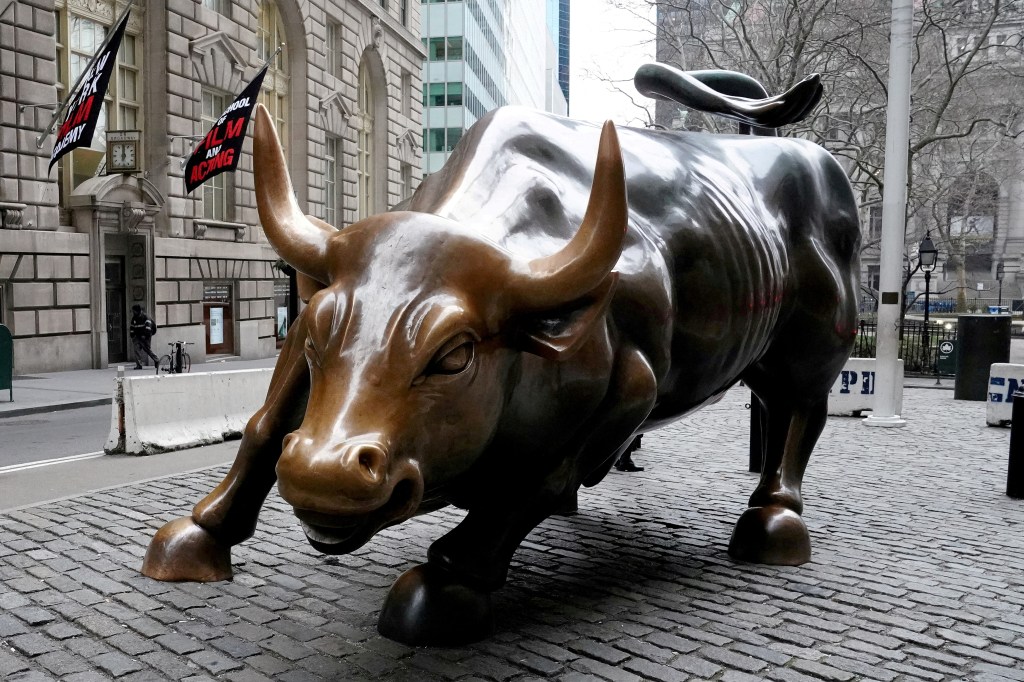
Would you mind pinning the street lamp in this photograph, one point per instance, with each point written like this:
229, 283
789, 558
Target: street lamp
999, 278
928, 257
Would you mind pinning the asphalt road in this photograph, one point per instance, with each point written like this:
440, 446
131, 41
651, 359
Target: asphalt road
41, 457
50, 435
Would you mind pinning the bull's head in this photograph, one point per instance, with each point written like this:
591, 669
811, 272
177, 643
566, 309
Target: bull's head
413, 326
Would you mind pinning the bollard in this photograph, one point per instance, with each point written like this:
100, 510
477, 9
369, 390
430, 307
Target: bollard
756, 435
1015, 470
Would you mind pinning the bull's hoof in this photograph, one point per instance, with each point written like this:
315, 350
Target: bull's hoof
771, 535
429, 606
185, 551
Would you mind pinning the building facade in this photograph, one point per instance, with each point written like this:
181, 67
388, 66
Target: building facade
79, 245
483, 54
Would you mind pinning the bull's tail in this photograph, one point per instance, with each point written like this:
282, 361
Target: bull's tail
731, 95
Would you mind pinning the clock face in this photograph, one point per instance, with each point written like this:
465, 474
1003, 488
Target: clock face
122, 155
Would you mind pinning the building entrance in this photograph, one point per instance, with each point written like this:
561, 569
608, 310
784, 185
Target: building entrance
117, 328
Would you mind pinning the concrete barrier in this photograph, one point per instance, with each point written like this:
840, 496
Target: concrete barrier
1003, 380
152, 414
854, 389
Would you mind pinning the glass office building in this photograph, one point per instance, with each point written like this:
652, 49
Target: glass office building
483, 54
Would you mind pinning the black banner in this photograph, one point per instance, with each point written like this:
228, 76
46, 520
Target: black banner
221, 149
87, 101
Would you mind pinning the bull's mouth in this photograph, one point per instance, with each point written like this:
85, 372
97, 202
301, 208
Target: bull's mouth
341, 534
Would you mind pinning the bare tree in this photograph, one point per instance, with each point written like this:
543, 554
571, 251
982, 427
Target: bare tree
964, 115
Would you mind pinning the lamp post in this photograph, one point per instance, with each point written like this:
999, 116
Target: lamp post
999, 278
927, 256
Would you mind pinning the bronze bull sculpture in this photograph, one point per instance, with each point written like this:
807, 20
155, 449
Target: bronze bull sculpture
497, 340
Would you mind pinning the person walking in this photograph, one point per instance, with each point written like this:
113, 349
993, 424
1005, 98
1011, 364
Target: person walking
142, 330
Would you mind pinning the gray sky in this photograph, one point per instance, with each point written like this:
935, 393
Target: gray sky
606, 40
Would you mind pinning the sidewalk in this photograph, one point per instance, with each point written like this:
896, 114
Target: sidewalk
915, 575
88, 387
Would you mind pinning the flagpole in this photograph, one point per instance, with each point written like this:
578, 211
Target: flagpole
74, 88
185, 158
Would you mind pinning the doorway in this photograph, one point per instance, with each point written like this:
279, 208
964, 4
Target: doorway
117, 329
218, 317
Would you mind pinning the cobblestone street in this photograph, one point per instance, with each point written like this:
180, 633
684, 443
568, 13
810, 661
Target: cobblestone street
917, 573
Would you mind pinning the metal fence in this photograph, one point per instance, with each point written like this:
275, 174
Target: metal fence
917, 345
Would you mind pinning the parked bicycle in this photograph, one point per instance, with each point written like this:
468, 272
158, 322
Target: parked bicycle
177, 361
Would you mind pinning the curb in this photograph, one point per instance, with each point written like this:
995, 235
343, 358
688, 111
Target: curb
53, 407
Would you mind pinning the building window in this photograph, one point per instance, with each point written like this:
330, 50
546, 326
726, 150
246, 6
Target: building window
269, 34
403, 12
441, 139
129, 95
454, 98
78, 37
215, 190
435, 49
274, 93
334, 49
454, 135
406, 189
441, 49
218, 6
332, 150
364, 144
875, 222
407, 94
433, 95
454, 48
384, 4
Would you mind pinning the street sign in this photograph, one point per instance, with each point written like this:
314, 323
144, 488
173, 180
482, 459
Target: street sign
946, 357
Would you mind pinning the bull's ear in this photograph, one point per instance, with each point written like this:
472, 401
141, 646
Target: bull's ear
557, 334
307, 286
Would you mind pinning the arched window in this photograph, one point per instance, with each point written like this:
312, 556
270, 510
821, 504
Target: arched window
81, 29
364, 143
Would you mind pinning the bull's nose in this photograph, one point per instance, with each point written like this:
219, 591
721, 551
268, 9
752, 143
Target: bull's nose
333, 477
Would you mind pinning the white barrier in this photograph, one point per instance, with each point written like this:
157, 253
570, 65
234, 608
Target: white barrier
1003, 381
153, 414
854, 389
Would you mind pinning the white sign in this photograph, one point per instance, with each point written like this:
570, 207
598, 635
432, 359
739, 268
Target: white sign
282, 321
216, 326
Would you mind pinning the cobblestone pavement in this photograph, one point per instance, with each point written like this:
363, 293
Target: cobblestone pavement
918, 573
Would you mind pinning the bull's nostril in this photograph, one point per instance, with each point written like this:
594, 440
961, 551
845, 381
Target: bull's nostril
371, 461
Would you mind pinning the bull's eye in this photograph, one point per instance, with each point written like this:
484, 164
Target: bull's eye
452, 358
454, 361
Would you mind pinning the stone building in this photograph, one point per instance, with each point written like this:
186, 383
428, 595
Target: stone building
80, 245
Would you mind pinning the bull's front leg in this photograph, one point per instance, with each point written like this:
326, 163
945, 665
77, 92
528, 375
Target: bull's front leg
198, 547
447, 601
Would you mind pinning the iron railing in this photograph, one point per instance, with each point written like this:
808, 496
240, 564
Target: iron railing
919, 356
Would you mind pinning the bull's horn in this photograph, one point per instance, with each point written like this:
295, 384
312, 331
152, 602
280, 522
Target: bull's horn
590, 255
302, 243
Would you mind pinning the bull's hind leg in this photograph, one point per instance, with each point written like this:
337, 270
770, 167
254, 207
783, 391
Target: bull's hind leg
771, 531
447, 600
198, 547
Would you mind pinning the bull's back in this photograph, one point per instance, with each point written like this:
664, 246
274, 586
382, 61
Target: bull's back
721, 230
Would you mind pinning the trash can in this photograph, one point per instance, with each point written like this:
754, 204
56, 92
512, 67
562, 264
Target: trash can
981, 341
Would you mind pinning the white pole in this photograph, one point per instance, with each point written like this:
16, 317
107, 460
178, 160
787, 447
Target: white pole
894, 210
